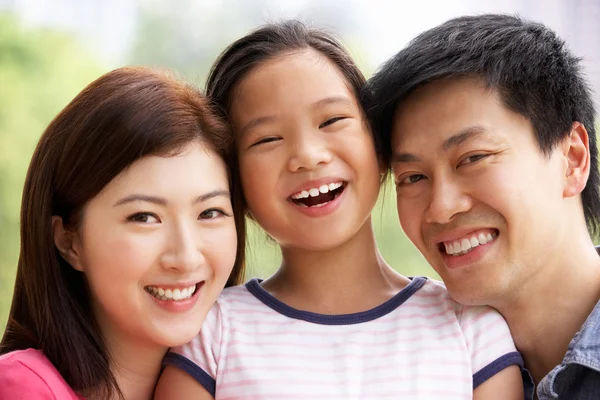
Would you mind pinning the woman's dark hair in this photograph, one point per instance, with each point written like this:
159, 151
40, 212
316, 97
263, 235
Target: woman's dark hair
121, 117
267, 43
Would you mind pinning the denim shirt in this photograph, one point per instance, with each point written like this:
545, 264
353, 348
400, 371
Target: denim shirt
578, 377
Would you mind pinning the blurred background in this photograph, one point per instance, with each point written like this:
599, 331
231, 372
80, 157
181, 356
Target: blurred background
51, 49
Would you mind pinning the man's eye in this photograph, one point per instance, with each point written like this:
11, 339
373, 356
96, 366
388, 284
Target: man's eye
411, 179
472, 159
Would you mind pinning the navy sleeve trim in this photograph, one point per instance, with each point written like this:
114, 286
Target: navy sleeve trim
194, 370
496, 366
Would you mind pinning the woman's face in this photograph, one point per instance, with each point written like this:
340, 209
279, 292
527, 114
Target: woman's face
157, 245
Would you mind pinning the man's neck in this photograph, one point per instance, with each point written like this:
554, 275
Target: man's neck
553, 305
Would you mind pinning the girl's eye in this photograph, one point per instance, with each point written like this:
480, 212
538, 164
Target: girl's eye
266, 140
472, 159
213, 213
411, 179
331, 121
144, 218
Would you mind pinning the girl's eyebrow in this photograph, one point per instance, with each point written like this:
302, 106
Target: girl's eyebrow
332, 100
256, 122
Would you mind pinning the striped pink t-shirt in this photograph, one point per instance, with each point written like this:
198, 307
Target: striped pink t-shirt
419, 344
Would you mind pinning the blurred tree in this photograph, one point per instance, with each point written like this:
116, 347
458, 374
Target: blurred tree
40, 72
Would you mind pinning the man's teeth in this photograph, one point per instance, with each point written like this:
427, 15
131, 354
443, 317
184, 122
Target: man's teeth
314, 192
465, 245
171, 294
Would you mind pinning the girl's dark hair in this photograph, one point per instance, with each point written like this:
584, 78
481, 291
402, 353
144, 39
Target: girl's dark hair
124, 115
269, 42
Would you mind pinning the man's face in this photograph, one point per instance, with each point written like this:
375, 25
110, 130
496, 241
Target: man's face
475, 193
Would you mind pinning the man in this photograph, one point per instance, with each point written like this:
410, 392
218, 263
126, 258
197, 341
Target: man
490, 130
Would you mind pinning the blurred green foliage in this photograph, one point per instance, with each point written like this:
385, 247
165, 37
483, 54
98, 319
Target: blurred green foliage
41, 71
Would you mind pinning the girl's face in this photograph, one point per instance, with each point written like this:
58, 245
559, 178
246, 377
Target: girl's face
307, 159
157, 245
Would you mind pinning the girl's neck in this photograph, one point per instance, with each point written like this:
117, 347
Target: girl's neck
352, 277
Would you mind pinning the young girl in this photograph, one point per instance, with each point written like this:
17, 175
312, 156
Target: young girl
335, 321
127, 238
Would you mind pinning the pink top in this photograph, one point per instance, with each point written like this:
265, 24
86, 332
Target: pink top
29, 375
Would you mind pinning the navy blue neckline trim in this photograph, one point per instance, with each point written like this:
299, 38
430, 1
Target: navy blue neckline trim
261, 294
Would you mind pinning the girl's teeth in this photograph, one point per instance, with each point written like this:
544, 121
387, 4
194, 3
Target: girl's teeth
313, 192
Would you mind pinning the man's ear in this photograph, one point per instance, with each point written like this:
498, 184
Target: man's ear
67, 242
576, 151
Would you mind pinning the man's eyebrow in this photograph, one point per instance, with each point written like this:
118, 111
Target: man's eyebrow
404, 158
163, 202
462, 136
256, 122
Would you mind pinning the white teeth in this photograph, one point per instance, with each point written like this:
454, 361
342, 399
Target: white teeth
171, 294
456, 247
314, 192
465, 245
482, 239
176, 294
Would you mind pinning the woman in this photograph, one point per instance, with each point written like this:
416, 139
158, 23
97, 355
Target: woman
128, 235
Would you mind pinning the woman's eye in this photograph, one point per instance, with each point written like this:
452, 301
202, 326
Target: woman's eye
144, 218
411, 179
213, 213
266, 140
331, 121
